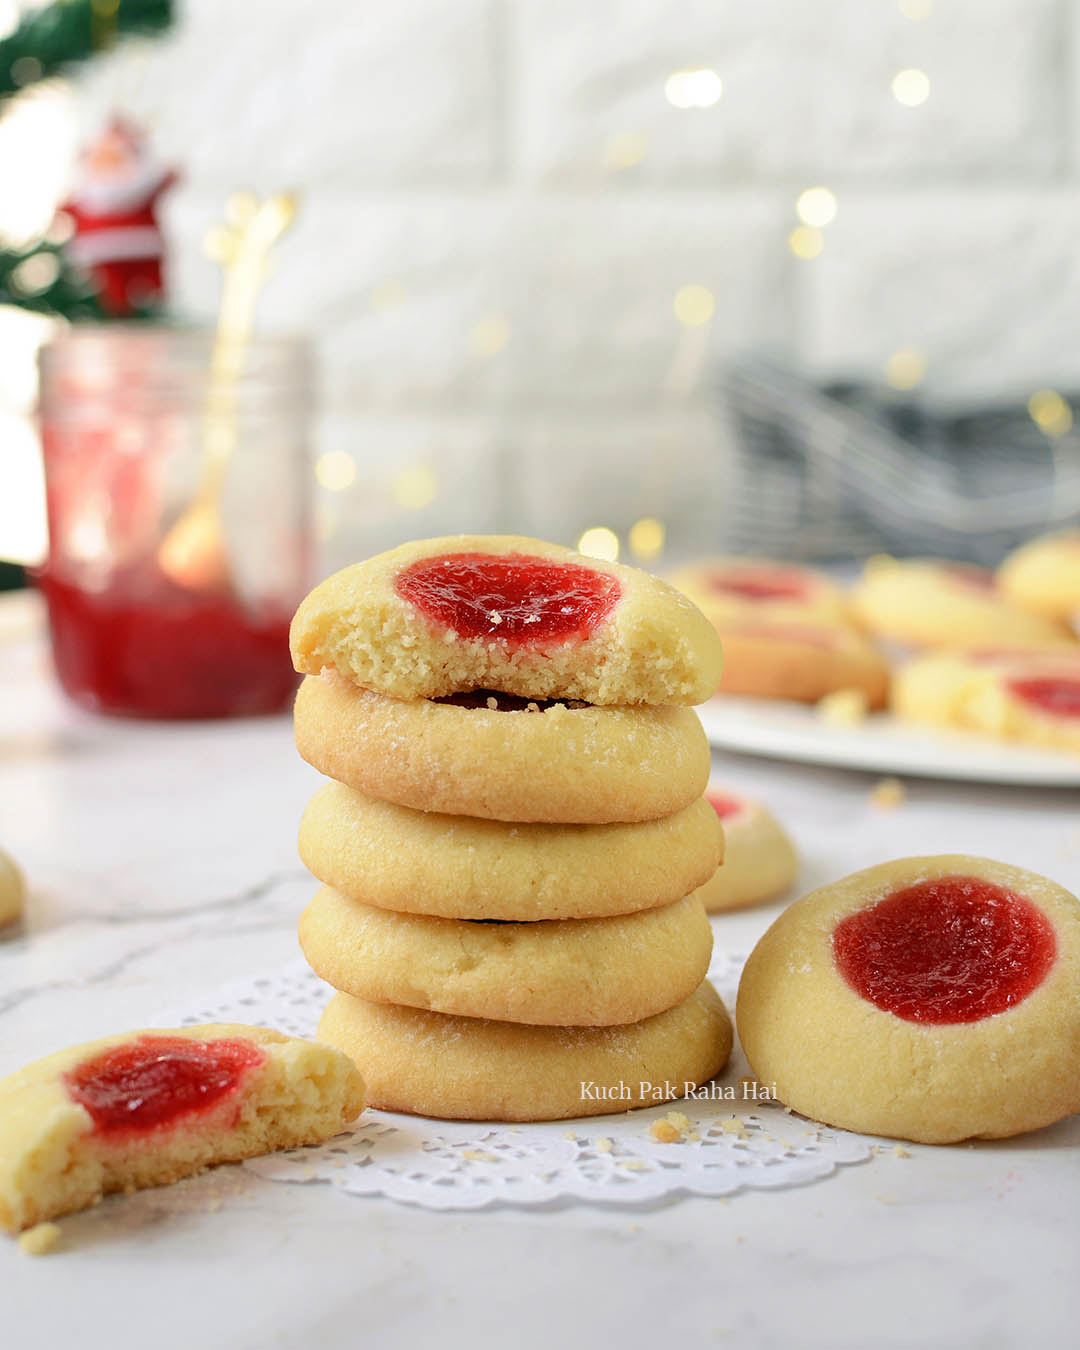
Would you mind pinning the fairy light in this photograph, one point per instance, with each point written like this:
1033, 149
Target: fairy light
906, 368
1050, 412
816, 207
693, 88
694, 305
335, 470
599, 542
911, 87
36, 274
806, 242
646, 539
626, 150
415, 487
388, 295
490, 335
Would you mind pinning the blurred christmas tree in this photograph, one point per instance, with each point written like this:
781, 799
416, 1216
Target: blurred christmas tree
49, 41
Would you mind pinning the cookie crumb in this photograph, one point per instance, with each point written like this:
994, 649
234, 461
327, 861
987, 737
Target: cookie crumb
40, 1240
730, 1124
494, 616
664, 1132
476, 1155
899, 1152
492, 703
887, 794
843, 707
602, 1145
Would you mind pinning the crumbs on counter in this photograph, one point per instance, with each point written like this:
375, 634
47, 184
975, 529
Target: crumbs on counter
887, 794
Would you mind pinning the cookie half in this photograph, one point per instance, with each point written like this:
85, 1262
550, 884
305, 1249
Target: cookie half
461, 867
563, 972
924, 602
1044, 576
760, 861
439, 616
462, 1068
149, 1107
933, 999
560, 764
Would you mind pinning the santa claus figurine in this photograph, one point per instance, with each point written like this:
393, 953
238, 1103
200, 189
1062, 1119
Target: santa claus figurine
113, 212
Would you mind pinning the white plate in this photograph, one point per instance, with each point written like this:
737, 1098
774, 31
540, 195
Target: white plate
881, 744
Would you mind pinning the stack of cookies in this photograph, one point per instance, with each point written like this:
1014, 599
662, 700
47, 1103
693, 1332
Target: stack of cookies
515, 831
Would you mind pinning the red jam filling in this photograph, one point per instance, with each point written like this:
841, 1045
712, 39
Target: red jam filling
823, 638
1059, 697
760, 585
967, 574
724, 806
155, 1081
955, 949
514, 598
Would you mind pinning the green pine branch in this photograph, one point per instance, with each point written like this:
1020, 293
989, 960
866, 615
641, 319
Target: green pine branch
40, 279
49, 40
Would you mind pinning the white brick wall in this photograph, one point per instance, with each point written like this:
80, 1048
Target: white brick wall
501, 204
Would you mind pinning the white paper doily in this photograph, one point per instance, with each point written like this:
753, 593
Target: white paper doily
734, 1142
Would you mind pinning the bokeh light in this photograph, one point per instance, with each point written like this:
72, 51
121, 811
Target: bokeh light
911, 87
694, 88
335, 470
599, 542
415, 487
694, 305
806, 242
1050, 412
816, 206
905, 368
646, 538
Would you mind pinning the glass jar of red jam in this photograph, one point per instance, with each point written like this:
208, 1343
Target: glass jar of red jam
179, 506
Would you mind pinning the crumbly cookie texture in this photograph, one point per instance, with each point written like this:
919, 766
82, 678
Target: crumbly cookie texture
460, 867
563, 972
1014, 696
566, 765
57, 1157
802, 660
926, 602
760, 861
463, 1068
833, 1054
1043, 577
640, 642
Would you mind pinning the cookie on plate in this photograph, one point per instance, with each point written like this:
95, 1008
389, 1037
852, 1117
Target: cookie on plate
742, 586
517, 760
562, 972
12, 890
149, 1107
801, 661
443, 616
1032, 697
461, 867
463, 1068
925, 602
933, 999
1043, 576
760, 861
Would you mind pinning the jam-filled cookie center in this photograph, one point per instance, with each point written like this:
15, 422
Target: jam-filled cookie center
512, 598
760, 584
1056, 695
954, 949
155, 1081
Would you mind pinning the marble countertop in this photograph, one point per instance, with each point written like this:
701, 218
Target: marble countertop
162, 862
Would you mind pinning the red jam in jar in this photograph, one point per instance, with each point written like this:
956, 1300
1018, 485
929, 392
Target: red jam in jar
513, 598
156, 1081
954, 949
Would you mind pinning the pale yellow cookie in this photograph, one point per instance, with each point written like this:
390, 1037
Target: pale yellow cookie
461, 867
432, 1064
762, 588
803, 661
148, 1107
12, 890
575, 765
440, 616
933, 999
1032, 697
563, 972
924, 602
1043, 576
760, 861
